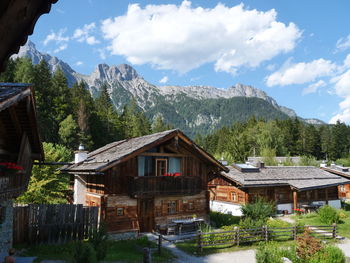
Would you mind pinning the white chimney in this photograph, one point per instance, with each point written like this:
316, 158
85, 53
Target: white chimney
81, 154
80, 180
323, 164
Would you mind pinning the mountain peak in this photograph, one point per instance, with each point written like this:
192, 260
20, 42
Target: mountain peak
127, 72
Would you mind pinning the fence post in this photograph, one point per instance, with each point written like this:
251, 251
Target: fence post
266, 233
200, 247
237, 236
294, 232
334, 232
159, 244
147, 255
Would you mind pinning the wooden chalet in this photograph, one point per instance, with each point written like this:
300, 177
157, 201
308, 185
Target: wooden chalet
145, 182
20, 145
344, 190
293, 187
19, 138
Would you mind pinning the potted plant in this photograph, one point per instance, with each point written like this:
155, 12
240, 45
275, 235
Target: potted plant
8, 168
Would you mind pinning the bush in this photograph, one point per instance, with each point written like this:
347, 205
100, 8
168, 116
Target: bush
83, 252
99, 242
329, 254
307, 245
272, 253
277, 223
249, 223
328, 215
218, 219
259, 210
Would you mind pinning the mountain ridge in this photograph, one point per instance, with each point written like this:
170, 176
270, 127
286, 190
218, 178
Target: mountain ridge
124, 83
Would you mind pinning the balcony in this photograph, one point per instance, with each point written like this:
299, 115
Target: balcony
12, 186
148, 186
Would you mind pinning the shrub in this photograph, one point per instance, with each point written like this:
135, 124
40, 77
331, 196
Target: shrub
83, 252
308, 161
342, 214
277, 223
249, 223
328, 215
272, 253
329, 254
99, 242
307, 245
218, 219
259, 210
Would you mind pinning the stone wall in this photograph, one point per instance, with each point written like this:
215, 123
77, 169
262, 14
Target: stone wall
6, 225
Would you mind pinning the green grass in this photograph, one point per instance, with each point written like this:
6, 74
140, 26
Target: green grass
129, 251
191, 247
343, 227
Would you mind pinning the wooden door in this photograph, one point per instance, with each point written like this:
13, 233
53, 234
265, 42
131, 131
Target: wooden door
146, 214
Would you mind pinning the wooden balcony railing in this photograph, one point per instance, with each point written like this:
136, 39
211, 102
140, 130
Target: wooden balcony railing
164, 185
13, 185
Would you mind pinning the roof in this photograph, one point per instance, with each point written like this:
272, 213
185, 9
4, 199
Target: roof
11, 93
17, 100
17, 21
298, 177
338, 170
119, 151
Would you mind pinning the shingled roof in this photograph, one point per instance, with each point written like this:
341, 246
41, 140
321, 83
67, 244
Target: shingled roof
298, 177
119, 151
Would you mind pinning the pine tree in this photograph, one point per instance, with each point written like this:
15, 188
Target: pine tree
68, 133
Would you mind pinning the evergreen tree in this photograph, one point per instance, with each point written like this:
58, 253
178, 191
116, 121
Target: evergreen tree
160, 125
68, 133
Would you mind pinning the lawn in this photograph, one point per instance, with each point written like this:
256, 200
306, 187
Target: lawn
129, 251
343, 227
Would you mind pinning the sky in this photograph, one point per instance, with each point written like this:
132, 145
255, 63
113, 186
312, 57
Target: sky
298, 52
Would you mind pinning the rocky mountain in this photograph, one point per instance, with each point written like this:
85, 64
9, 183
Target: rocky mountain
191, 108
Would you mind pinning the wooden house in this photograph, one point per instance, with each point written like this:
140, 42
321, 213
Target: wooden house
19, 138
145, 182
293, 187
20, 145
344, 190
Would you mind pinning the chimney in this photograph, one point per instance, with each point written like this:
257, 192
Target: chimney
81, 154
261, 164
323, 164
223, 161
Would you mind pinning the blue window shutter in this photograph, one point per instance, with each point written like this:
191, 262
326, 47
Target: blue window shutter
174, 165
141, 164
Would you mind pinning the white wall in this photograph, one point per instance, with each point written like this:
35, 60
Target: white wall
288, 207
79, 189
226, 208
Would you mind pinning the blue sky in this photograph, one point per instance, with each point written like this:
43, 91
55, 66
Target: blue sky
296, 51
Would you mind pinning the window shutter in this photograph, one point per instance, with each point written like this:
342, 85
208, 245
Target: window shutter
164, 208
141, 165
179, 205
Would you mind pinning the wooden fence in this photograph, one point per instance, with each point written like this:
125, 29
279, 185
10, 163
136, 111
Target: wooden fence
241, 236
53, 223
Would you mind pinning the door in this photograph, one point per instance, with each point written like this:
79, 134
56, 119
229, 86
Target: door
146, 214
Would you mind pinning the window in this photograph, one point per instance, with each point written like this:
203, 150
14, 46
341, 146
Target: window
161, 166
234, 196
120, 211
190, 206
342, 188
174, 165
172, 207
145, 167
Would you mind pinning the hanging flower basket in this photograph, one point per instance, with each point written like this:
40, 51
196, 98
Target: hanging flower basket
8, 169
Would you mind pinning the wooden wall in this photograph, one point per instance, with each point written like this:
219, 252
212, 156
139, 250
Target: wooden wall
226, 193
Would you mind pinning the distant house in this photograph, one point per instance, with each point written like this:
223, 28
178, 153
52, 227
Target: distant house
145, 182
290, 188
19, 144
344, 190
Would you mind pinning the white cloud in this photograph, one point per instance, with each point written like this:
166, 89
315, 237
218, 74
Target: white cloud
343, 43
182, 37
102, 53
164, 80
56, 37
60, 48
342, 89
84, 34
79, 63
301, 73
312, 88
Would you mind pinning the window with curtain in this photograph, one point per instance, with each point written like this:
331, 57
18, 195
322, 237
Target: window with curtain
174, 165
145, 167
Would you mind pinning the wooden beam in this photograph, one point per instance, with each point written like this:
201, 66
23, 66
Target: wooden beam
163, 154
295, 199
15, 121
326, 196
